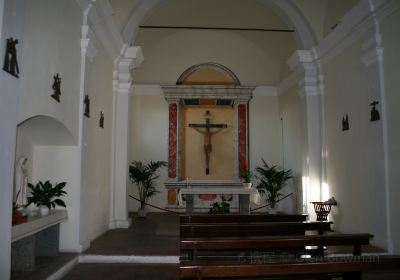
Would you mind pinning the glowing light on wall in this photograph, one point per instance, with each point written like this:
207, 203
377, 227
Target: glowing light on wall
325, 192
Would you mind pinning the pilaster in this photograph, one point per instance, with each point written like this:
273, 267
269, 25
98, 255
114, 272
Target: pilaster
309, 82
88, 53
130, 58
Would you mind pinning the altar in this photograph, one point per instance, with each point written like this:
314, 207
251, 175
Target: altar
208, 147
245, 196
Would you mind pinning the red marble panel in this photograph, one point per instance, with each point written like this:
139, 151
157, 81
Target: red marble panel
172, 140
242, 139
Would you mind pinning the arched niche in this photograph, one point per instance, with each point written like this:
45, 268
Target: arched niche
208, 74
36, 133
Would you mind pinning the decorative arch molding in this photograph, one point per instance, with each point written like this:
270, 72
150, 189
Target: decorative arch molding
208, 65
47, 130
287, 10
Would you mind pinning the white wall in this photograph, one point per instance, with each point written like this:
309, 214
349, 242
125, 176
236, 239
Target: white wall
149, 141
354, 160
11, 25
61, 169
99, 143
51, 46
291, 112
391, 45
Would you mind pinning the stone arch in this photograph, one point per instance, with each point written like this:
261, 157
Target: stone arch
229, 76
46, 130
287, 10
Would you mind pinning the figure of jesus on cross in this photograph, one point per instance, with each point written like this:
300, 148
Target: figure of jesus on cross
205, 129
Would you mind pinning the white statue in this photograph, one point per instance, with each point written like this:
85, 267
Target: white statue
21, 182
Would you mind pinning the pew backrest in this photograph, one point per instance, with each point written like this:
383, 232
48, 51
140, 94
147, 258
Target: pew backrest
252, 229
235, 218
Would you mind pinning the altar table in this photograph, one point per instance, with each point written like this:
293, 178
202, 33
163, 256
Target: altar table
245, 196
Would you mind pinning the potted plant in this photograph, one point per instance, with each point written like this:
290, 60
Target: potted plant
144, 176
219, 208
45, 196
271, 181
246, 175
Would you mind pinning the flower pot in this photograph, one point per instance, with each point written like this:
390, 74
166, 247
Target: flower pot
247, 185
44, 210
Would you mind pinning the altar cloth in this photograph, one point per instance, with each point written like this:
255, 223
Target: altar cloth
254, 195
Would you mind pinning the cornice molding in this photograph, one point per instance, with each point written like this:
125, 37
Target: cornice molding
99, 17
353, 27
177, 92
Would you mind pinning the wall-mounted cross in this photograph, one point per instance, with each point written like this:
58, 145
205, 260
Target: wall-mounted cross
205, 128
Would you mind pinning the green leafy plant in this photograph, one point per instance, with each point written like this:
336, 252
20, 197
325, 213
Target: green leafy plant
245, 173
219, 208
271, 181
144, 176
44, 194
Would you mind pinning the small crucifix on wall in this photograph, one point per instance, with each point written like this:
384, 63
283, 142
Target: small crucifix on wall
345, 123
56, 87
10, 58
87, 106
101, 121
205, 128
374, 112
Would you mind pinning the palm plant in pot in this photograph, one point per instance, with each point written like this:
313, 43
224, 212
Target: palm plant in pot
271, 181
144, 176
246, 175
45, 196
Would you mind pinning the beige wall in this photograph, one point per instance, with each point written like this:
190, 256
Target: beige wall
169, 52
352, 164
221, 157
391, 62
291, 115
149, 140
264, 133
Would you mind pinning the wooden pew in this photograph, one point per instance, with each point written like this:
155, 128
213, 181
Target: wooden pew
194, 246
235, 218
252, 229
349, 268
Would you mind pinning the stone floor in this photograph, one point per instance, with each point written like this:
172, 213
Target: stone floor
157, 234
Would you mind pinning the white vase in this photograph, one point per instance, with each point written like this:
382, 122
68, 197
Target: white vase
141, 212
44, 210
247, 185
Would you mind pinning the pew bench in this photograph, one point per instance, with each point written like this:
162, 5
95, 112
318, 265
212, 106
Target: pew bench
350, 268
252, 229
193, 247
235, 218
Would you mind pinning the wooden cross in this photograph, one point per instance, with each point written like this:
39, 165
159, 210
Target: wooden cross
207, 135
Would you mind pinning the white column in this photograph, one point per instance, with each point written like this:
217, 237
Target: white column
310, 90
130, 57
88, 52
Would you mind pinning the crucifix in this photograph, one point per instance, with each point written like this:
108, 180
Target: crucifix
205, 128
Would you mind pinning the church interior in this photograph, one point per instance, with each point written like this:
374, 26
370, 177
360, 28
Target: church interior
210, 89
